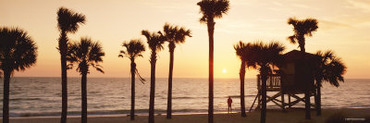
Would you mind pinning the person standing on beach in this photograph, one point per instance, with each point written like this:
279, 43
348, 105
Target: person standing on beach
229, 101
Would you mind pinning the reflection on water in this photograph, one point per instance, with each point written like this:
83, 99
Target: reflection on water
42, 96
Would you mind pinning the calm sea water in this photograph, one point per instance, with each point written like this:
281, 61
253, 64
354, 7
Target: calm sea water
42, 96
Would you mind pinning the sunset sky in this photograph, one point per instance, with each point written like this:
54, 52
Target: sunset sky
344, 27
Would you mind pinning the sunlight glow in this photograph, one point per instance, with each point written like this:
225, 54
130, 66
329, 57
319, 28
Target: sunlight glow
224, 70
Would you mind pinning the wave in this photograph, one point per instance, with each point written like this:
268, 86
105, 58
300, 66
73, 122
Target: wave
141, 112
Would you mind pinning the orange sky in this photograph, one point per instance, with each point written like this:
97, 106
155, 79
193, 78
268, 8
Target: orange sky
343, 27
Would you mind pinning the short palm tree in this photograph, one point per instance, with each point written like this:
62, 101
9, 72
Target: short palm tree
302, 28
68, 22
155, 41
17, 52
211, 9
134, 49
244, 52
174, 35
330, 69
85, 53
265, 57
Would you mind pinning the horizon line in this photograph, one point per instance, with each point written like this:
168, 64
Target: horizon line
148, 77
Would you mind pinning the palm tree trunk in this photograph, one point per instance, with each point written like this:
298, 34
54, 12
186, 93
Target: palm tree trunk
133, 68
318, 98
263, 73
210, 25
242, 100
84, 97
153, 60
6, 96
169, 98
301, 42
63, 53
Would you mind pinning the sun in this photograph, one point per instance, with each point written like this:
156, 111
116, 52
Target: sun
224, 70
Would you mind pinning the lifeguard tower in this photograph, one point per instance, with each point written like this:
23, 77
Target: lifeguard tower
294, 77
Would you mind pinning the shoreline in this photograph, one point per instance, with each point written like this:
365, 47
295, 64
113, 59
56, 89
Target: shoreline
117, 113
273, 115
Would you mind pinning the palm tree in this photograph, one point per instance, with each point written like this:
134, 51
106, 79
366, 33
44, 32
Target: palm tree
134, 49
265, 57
85, 53
68, 22
244, 52
211, 9
174, 35
155, 41
302, 28
330, 69
17, 52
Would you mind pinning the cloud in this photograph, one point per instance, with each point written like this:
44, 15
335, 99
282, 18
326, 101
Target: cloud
361, 4
329, 25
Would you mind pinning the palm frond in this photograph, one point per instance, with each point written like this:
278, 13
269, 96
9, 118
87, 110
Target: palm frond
69, 20
302, 28
331, 68
155, 40
17, 49
175, 35
213, 9
133, 49
86, 53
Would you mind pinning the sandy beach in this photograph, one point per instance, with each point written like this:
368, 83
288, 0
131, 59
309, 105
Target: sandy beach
276, 116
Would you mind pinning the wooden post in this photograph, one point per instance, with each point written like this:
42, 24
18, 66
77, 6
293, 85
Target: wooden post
282, 100
258, 91
307, 104
271, 78
289, 101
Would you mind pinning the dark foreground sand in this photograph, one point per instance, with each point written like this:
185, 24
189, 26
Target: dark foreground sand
273, 116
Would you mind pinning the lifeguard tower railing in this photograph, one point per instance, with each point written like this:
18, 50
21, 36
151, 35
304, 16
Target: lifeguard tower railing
273, 82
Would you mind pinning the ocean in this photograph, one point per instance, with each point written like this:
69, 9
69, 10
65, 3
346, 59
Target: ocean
41, 96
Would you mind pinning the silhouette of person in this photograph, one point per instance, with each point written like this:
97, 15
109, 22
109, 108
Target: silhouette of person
229, 101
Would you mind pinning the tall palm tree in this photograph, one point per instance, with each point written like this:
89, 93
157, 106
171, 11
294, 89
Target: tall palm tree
134, 49
85, 53
211, 9
330, 69
302, 28
17, 52
244, 52
68, 22
174, 35
155, 41
265, 57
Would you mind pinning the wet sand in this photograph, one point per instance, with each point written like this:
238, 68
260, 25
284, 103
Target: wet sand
273, 116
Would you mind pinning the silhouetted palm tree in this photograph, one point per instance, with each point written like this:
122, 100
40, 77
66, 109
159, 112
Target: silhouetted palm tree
302, 28
211, 9
68, 22
85, 53
155, 41
17, 52
174, 35
134, 49
265, 57
330, 69
244, 52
